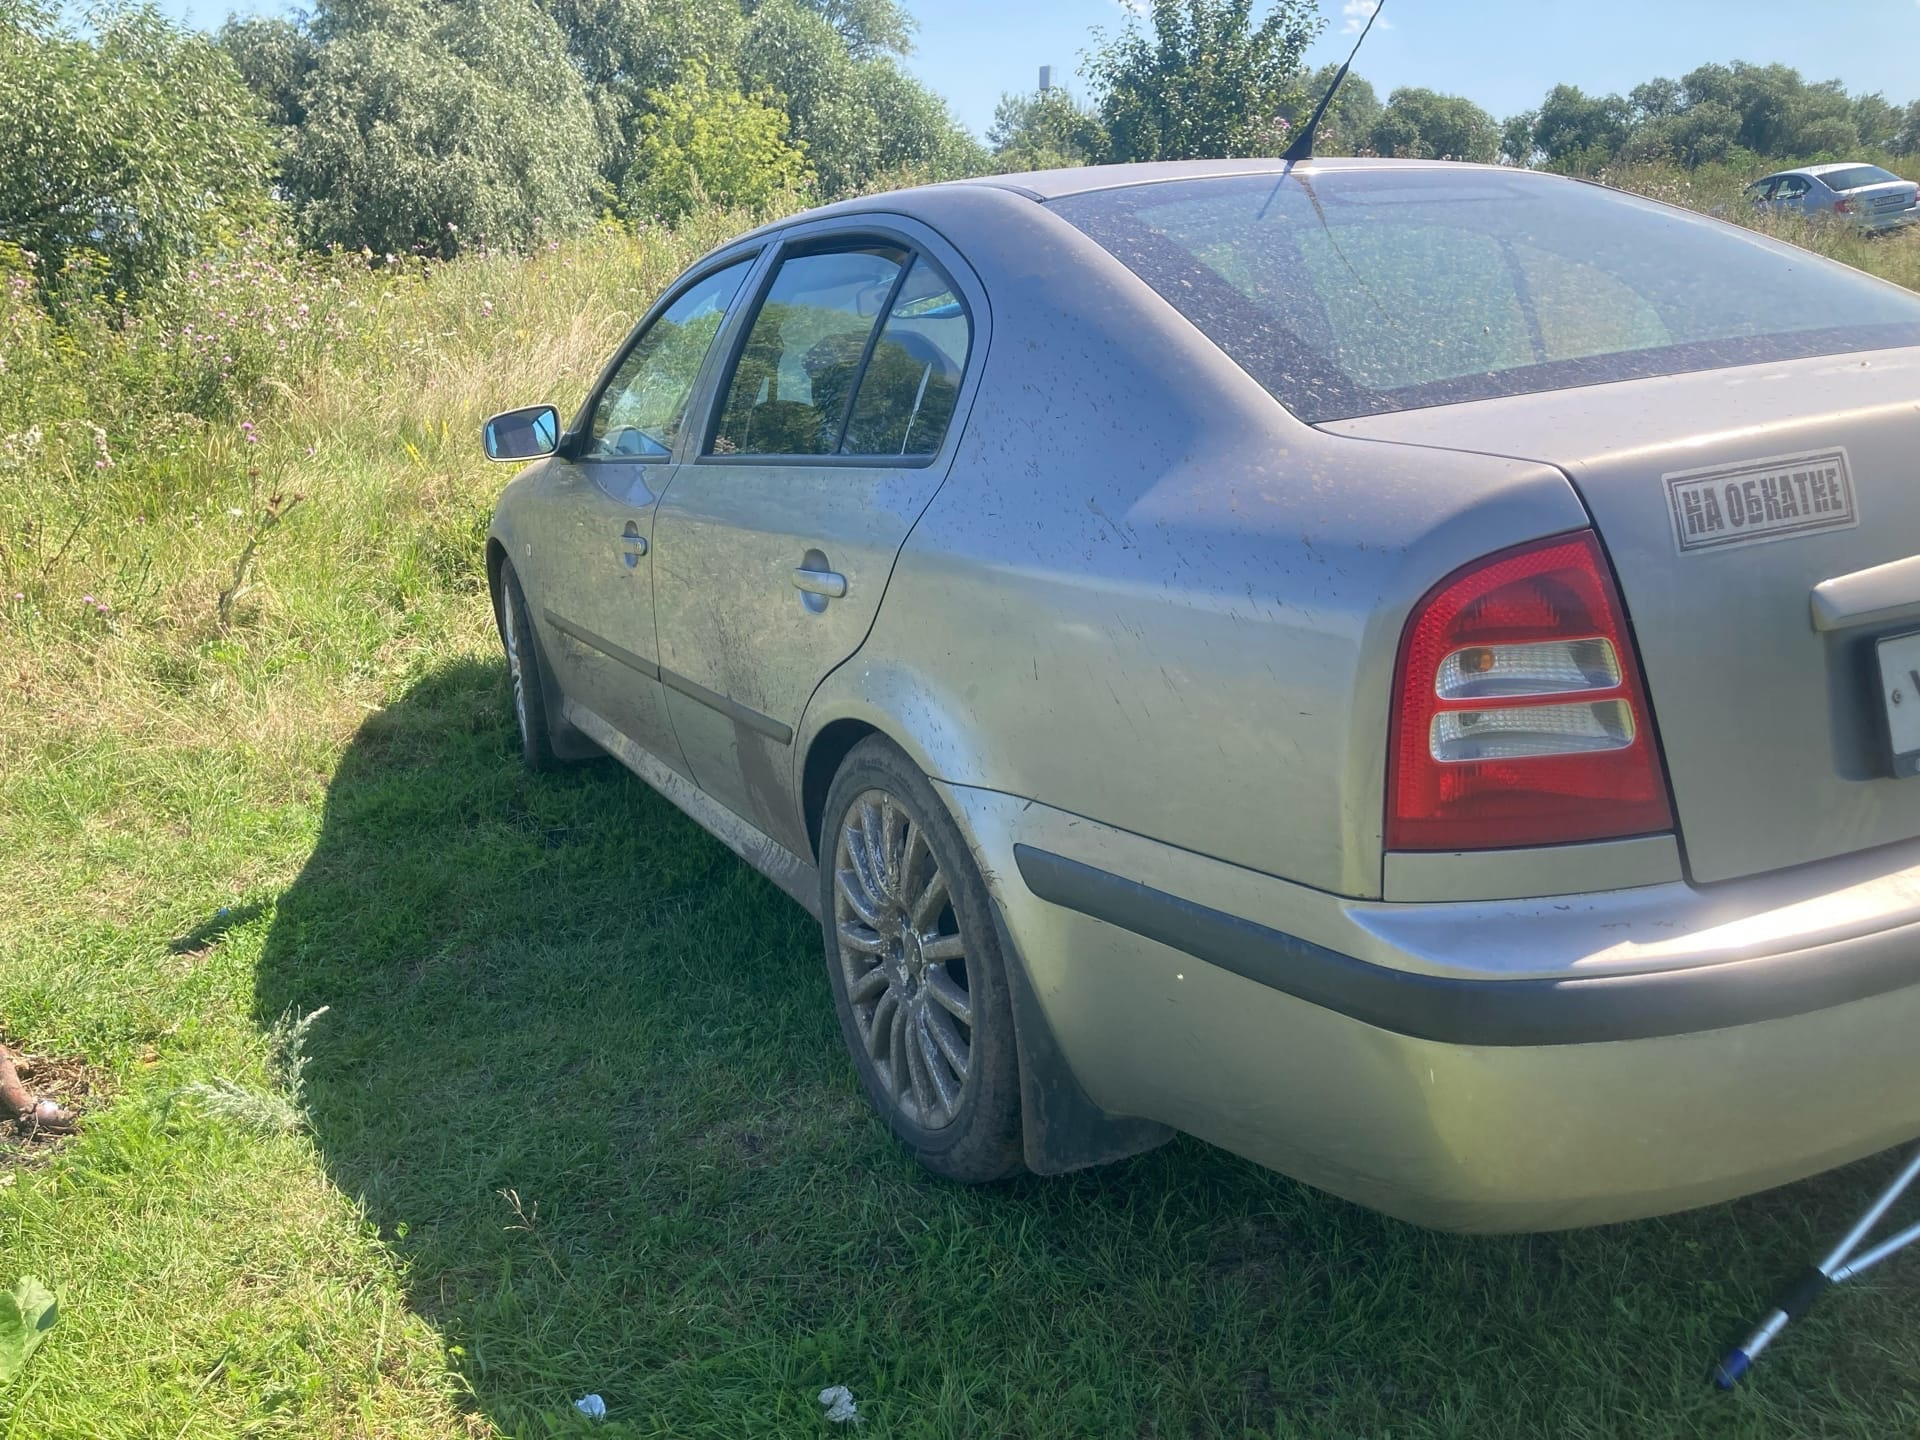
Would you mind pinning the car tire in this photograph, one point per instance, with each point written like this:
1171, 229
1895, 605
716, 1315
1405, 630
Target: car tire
914, 961
525, 692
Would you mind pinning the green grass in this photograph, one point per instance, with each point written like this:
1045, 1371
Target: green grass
580, 1119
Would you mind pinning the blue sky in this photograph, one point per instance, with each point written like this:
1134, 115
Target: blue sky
1503, 54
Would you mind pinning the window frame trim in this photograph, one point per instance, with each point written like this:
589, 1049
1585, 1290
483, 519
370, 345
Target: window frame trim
827, 236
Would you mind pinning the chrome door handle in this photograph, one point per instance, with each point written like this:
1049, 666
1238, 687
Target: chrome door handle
830, 583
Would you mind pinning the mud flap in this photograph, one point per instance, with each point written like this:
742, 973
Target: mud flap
1062, 1129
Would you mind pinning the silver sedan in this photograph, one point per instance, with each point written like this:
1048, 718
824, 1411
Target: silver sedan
1409, 672
1864, 196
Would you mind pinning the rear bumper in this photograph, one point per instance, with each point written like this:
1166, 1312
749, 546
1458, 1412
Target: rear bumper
1511, 1066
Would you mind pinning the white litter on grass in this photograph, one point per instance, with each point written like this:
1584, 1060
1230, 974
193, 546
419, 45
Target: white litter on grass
839, 1402
591, 1406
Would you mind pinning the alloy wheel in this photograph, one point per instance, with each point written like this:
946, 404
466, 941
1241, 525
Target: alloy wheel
904, 960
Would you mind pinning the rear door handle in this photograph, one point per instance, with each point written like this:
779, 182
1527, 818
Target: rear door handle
830, 583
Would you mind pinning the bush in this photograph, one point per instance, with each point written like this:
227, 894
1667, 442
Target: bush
698, 145
430, 126
128, 150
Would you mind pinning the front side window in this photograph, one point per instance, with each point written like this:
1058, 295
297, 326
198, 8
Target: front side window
1362, 291
793, 383
640, 413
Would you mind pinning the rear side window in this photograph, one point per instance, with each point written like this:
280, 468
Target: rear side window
792, 386
912, 379
1357, 292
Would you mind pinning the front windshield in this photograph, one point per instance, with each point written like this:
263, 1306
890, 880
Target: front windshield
1854, 176
1357, 292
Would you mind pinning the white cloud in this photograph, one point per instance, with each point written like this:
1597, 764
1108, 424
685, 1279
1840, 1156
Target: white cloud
1357, 12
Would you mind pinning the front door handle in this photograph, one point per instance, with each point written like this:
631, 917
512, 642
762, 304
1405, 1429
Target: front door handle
633, 543
830, 583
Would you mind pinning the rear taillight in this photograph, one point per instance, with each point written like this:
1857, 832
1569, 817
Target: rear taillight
1843, 207
1519, 717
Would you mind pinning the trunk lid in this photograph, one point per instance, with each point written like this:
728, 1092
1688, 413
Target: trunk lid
1722, 499
1885, 201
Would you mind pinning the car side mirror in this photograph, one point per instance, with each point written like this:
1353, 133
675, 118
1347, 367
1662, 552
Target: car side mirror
522, 434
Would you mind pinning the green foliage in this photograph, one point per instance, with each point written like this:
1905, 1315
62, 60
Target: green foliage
128, 147
1044, 130
275, 58
859, 119
1201, 78
701, 145
1347, 127
27, 1313
433, 124
1424, 124
1712, 114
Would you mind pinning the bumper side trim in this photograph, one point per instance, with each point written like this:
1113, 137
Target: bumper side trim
1527, 1012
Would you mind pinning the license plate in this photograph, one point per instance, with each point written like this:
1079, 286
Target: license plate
1900, 692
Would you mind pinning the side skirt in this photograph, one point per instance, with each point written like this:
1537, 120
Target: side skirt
798, 877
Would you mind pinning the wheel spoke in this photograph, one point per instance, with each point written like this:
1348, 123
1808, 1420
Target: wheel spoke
940, 1085
952, 1048
897, 1049
886, 1011
926, 909
943, 948
866, 985
872, 861
922, 1083
853, 892
913, 852
950, 997
864, 853
889, 856
862, 939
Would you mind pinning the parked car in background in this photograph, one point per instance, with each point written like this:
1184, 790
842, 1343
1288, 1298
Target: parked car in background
1863, 195
1407, 671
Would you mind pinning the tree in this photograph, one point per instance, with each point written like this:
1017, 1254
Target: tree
1656, 99
1877, 122
868, 27
129, 149
1044, 130
626, 50
1577, 131
858, 119
698, 143
274, 57
1423, 124
1347, 127
434, 123
1200, 79
1516, 138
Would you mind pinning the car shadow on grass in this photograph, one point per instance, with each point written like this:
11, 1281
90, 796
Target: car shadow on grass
581, 1069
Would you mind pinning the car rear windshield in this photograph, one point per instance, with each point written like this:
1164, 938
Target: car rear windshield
1358, 292
1854, 176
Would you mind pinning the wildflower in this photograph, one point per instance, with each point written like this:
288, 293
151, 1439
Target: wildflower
486, 307
88, 600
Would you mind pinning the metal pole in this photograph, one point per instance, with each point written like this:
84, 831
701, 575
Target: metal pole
1840, 1264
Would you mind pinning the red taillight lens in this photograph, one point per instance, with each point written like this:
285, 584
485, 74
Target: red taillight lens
1519, 717
1843, 207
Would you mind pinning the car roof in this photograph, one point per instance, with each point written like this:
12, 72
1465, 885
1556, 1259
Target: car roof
1047, 185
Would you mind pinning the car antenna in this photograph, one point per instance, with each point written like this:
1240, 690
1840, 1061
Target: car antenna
1302, 147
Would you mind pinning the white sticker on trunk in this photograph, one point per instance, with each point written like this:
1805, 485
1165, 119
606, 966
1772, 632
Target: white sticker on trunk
1757, 500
